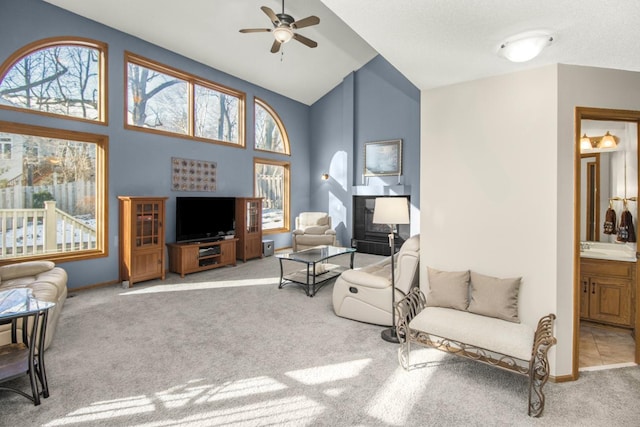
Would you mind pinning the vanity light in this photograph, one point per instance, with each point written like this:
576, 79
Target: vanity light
525, 46
585, 143
325, 176
608, 141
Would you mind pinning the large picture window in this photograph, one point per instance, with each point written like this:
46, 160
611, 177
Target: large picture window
52, 194
272, 184
163, 99
63, 77
270, 133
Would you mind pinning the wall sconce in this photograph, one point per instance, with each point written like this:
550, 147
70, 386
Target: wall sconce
607, 141
585, 143
598, 144
325, 176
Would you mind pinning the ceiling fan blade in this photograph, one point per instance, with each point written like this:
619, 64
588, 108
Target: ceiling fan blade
304, 40
271, 14
255, 30
275, 47
306, 22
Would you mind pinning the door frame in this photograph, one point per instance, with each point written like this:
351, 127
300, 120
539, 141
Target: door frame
590, 113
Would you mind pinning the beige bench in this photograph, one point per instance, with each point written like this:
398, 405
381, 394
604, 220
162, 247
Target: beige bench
512, 346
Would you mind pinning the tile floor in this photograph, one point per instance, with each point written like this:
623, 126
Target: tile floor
604, 345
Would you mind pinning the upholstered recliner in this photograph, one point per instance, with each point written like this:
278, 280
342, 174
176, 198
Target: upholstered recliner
313, 229
47, 283
365, 294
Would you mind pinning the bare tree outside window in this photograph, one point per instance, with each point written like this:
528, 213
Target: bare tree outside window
268, 135
62, 79
157, 100
216, 115
165, 99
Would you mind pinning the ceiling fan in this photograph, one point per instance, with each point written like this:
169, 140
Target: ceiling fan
284, 27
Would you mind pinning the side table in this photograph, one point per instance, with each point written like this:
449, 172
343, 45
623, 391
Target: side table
19, 308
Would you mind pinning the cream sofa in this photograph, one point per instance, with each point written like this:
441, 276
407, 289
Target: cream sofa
313, 229
365, 294
47, 282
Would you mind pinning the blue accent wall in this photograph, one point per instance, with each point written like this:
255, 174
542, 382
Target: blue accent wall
373, 103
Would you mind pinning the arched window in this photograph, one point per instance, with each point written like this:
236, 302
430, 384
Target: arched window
60, 76
270, 134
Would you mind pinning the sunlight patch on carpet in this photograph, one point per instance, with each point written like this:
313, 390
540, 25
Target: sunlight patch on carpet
329, 373
203, 285
395, 399
240, 388
124, 407
295, 410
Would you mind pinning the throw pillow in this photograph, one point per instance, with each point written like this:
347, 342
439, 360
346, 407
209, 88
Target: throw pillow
494, 297
448, 289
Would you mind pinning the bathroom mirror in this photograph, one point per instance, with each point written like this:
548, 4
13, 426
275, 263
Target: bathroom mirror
608, 176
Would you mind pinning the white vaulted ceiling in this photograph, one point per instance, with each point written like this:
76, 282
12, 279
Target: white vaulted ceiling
432, 42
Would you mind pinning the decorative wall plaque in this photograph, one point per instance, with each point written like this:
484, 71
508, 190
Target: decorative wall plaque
192, 175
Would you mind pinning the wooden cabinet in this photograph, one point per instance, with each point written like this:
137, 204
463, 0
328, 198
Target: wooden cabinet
249, 227
185, 258
141, 238
607, 291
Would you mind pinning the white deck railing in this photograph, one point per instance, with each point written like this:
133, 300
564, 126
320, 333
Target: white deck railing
26, 232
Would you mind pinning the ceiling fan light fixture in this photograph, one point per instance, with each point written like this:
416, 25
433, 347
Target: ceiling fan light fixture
283, 34
525, 47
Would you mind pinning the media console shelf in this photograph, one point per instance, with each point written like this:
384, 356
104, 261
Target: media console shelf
185, 258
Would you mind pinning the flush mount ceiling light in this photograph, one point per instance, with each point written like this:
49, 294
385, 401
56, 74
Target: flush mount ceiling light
524, 47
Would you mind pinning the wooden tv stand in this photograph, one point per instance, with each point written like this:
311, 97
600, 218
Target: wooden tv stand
185, 258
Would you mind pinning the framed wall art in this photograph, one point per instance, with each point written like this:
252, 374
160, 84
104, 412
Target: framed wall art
192, 175
383, 158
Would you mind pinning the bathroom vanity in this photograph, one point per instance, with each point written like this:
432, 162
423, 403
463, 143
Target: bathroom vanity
607, 284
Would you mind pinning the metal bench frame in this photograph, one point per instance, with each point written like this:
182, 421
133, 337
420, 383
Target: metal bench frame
536, 368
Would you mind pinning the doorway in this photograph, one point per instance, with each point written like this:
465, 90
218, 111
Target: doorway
606, 309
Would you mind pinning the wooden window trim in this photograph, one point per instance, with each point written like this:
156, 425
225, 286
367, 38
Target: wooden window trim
49, 42
102, 189
191, 80
287, 192
279, 123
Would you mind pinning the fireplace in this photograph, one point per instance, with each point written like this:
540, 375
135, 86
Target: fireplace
373, 238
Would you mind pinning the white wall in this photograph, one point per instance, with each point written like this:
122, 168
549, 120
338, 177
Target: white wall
497, 181
488, 183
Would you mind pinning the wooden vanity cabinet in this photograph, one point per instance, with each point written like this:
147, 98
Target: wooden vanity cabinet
607, 291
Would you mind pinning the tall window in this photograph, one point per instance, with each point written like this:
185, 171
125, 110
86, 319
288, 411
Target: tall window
60, 76
270, 132
272, 184
52, 194
166, 100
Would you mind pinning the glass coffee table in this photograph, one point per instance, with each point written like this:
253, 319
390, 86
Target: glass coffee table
317, 271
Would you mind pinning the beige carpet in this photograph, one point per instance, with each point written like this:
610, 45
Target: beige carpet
226, 348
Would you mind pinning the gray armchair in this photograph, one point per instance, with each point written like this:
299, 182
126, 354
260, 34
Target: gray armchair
313, 229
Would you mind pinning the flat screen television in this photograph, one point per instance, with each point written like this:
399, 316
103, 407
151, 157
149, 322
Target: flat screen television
201, 219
